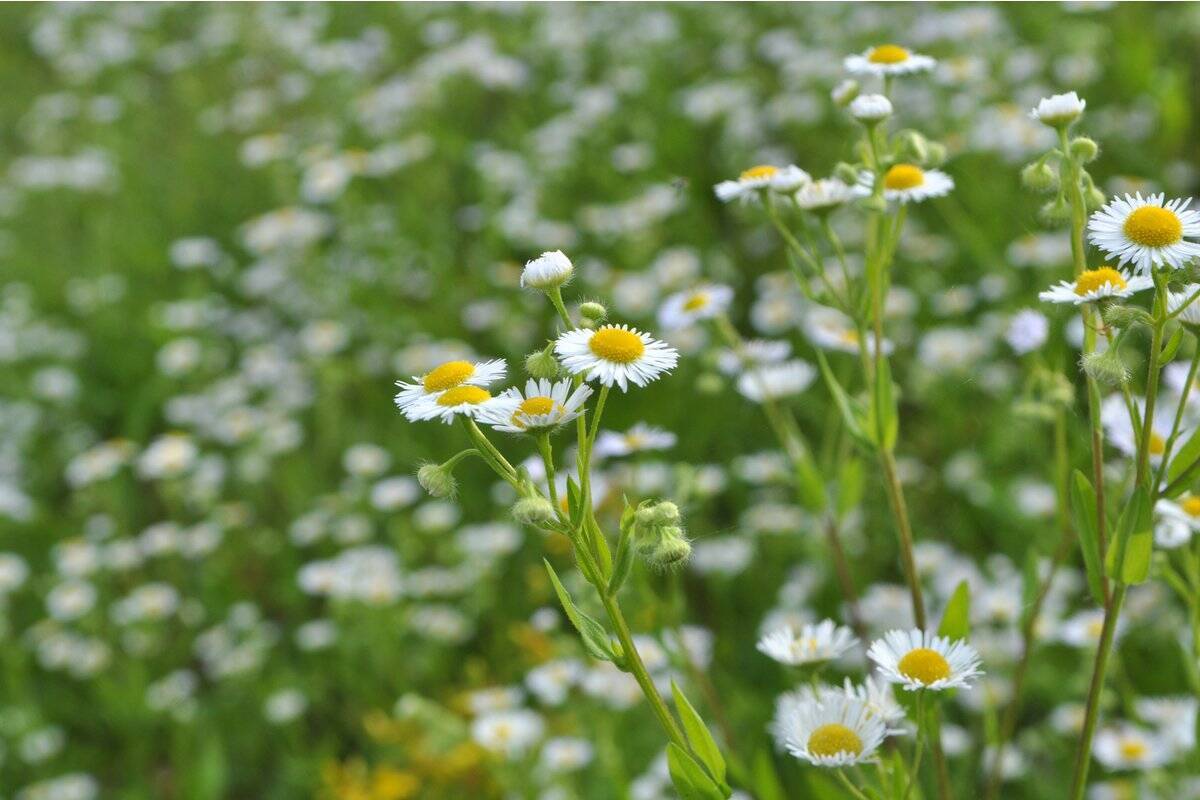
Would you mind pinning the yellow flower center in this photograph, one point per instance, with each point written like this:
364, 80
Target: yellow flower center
471, 395
834, 738
448, 375
1153, 226
1133, 749
1157, 444
924, 665
696, 302
1093, 279
758, 173
849, 337
617, 344
1191, 506
536, 406
904, 176
888, 54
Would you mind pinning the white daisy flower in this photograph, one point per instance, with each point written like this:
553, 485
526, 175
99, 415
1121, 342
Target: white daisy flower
1102, 283
1174, 718
1147, 232
639, 438
753, 352
1118, 429
831, 729
548, 271
784, 180
615, 354
1126, 746
449, 375
466, 400
880, 700
685, 308
825, 194
870, 108
1177, 521
830, 329
888, 59
908, 183
812, 643
1058, 110
543, 406
509, 733
773, 381
920, 660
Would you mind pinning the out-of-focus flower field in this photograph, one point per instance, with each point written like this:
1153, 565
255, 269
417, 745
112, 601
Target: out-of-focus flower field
227, 230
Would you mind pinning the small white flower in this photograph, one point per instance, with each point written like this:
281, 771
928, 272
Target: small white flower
1027, 331
1190, 314
639, 438
908, 183
544, 406
870, 108
1059, 110
548, 271
825, 194
685, 308
920, 660
1147, 232
413, 398
1101, 283
831, 729
830, 329
615, 354
812, 643
753, 352
1177, 521
784, 180
1128, 747
773, 381
888, 59
509, 733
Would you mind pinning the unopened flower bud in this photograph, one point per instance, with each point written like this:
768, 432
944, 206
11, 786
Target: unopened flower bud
548, 271
846, 173
1039, 177
534, 510
593, 311
935, 154
1122, 316
914, 147
1105, 368
663, 546
844, 92
437, 480
1084, 150
542, 364
873, 203
1093, 198
870, 109
1055, 213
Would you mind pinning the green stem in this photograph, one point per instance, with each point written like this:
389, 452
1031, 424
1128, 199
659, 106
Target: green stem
1083, 756
849, 784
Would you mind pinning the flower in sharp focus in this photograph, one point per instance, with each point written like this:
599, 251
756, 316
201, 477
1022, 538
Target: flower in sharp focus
831, 729
920, 660
773, 381
413, 398
812, 643
615, 354
685, 308
1126, 746
785, 180
1147, 232
1058, 110
908, 183
888, 59
548, 271
543, 406
824, 195
1091, 285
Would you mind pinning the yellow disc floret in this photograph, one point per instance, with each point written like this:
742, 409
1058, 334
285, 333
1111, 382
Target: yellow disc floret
834, 738
758, 173
448, 375
617, 344
470, 395
904, 176
1093, 279
1191, 506
696, 302
888, 54
924, 665
536, 406
1153, 226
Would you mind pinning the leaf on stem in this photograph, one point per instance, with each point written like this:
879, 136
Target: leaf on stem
956, 620
689, 778
1083, 510
699, 739
595, 637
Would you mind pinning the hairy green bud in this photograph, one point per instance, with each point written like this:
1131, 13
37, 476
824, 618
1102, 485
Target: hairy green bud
1122, 316
533, 510
437, 480
593, 311
1055, 214
935, 154
1105, 368
658, 538
1084, 150
542, 364
846, 173
1039, 177
914, 147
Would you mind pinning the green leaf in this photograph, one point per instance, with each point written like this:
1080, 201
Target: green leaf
956, 620
623, 564
595, 637
1083, 510
1184, 457
850, 485
574, 503
698, 736
766, 782
1128, 558
885, 402
1171, 347
850, 414
689, 778
810, 488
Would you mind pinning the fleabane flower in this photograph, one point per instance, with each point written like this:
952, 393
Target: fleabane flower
1059, 110
548, 271
811, 644
784, 180
1102, 283
474, 402
685, 308
543, 406
916, 659
1147, 232
830, 329
870, 108
888, 59
831, 729
1177, 521
773, 381
615, 354
908, 183
824, 195
414, 398
1126, 746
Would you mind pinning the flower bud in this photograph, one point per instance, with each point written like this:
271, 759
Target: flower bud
437, 480
533, 510
1039, 177
548, 271
1122, 316
542, 364
1105, 368
1055, 213
1093, 198
870, 109
936, 154
914, 147
846, 173
593, 311
1084, 150
844, 92
873, 203
663, 546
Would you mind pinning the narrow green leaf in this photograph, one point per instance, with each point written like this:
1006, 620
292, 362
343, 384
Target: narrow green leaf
595, 638
1083, 511
956, 620
1172, 346
889, 424
623, 564
766, 782
1184, 457
810, 488
850, 485
1030, 584
699, 738
845, 405
1128, 558
689, 778
574, 503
